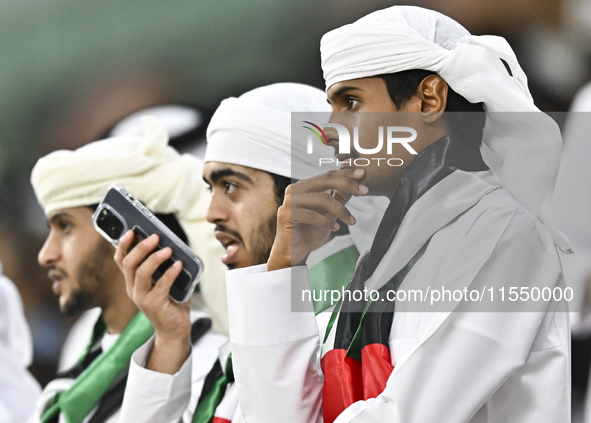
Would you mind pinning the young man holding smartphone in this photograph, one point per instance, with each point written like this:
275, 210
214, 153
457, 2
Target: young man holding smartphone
248, 164
457, 219
69, 185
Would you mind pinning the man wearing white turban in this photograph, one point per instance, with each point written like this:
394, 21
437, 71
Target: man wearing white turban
69, 185
466, 214
248, 165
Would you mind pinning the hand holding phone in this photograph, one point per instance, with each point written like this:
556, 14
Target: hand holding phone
160, 273
170, 319
183, 279
119, 211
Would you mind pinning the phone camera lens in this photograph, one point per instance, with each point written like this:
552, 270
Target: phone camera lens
110, 224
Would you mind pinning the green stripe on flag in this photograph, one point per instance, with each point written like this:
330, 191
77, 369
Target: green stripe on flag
78, 401
332, 273
206, 408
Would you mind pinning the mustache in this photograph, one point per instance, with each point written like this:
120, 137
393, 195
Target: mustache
55, 271
231, 232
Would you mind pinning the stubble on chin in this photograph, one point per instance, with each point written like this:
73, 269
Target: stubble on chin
263, 240
79, 301
92, 274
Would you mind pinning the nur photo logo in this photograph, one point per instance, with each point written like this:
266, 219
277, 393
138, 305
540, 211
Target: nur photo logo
385, 135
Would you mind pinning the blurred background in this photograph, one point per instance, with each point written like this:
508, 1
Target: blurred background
70, 69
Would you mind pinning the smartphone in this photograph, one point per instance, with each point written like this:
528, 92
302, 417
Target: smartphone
119, 211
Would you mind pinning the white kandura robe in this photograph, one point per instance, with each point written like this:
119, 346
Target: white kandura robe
18, 389
570, 211
477, 367
152, 397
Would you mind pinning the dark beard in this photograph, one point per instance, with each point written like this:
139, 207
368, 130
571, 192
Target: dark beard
91, 274
262, 240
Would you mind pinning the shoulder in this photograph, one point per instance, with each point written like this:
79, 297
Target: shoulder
10, 299
7, 288
207, 348
498, 218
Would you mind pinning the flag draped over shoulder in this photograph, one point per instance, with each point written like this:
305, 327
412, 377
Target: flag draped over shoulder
356, 359
92, 383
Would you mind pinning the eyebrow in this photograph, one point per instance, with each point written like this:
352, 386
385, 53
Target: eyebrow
342, 91
57, 217
217, 175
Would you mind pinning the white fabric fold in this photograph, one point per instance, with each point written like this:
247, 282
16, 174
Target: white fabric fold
523, 149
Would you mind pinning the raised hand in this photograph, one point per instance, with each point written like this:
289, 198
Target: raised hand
309, 213
171, 322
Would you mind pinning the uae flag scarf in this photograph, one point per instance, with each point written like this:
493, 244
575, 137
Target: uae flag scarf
99, 378
219, 396
356, 360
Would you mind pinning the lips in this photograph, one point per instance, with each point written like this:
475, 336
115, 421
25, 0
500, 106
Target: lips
56, 277
230, 244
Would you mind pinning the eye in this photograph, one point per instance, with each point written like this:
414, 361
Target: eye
209, 188
64, 225
230, 187
351, 102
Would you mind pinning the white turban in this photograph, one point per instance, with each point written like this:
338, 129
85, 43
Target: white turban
523, 149
154, 173
255, 130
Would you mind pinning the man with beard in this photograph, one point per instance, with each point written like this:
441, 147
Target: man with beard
459, 220
248, 165
69, 185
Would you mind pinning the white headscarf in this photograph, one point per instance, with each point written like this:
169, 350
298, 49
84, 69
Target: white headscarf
155, 174
522, 149
255, 130
145, 165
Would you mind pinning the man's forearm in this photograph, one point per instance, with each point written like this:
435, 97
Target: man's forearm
168, 355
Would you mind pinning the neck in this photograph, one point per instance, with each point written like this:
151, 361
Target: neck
119, 308
117, 317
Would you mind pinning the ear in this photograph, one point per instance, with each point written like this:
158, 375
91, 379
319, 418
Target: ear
432, 92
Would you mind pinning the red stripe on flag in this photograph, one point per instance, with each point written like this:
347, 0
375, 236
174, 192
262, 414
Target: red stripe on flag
342, 383
376, 367
220, 420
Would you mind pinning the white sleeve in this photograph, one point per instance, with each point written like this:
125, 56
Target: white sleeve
452, 373
571, 207
18, 389
154, 397
274, 350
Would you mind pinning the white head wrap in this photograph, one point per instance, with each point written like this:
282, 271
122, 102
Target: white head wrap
522, 149
255, 130
153, 172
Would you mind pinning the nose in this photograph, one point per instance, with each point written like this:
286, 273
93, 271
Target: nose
217, 212
332, 136
50, 252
